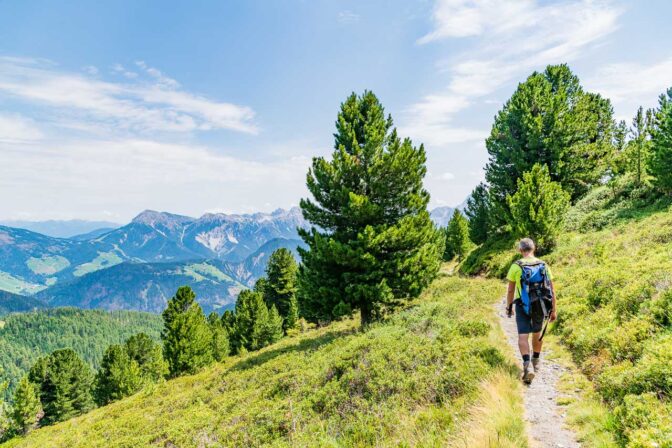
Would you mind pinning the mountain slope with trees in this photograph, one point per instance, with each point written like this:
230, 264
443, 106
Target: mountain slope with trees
415, 378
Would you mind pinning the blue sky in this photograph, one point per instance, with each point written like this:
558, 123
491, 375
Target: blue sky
109, 108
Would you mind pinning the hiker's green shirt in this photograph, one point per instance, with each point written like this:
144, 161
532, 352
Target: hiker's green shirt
516, 273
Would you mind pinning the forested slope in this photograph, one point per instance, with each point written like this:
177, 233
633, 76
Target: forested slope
26, 336
410, 380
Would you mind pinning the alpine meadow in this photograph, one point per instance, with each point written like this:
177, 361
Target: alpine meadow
478, 254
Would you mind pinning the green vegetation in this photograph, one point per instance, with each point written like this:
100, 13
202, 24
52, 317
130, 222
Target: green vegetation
47, 265
419, 378
63, 382
376, 245
186, 335
616, 309
27, 409
103, 260
201, 271
478, 212
27, 336
280, 286
538, 208
457, 237
552, 121
661, 143
17, 285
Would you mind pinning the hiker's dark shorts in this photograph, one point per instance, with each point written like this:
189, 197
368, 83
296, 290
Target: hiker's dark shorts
525, 323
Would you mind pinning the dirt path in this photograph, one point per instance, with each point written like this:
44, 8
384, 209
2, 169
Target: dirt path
545, 418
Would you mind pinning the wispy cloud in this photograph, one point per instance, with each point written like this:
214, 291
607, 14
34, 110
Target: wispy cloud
348, 17
77, 175
143, 105
630, 85
509, 39
15, 128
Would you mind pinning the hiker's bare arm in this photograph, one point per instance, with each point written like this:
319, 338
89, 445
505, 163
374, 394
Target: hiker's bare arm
509, 293
509, 297
554, 311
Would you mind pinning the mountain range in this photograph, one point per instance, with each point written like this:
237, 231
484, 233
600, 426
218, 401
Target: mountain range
139, 266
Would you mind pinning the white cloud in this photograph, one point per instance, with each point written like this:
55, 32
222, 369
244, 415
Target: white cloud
120, 69
18, 129
509, 40
140, 106
88, 179
630, 85
348, 17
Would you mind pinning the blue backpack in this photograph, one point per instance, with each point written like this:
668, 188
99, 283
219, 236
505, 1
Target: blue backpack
535, 294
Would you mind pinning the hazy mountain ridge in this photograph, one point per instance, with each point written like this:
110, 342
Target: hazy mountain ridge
60, 228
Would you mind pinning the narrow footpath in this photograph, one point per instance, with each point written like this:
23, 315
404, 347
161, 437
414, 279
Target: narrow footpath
545, 418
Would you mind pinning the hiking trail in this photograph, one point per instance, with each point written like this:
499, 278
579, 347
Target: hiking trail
544, 417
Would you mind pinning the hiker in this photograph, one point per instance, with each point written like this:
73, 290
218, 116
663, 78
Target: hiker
531, 291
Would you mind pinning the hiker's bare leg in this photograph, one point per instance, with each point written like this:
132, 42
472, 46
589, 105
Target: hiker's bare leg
524, 344
536, 343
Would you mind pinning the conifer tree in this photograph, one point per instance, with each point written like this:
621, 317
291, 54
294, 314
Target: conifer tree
292, 320
149, 356
119, 376
187, 341
27, 410
538, 208
457, 237
552, 121
251, 315
639, 146
280, 287
273, 330
373, 243
478, 211
661, 143
5, 412
220, 338
64, 385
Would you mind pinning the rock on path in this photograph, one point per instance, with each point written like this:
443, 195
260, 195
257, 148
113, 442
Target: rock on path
545, 418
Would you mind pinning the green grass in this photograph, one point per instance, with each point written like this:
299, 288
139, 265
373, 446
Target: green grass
103, 260
435, 374
201, 271
17, 285
47, 265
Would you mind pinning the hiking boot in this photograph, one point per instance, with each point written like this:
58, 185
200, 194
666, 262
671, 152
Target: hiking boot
528, 372
536, 363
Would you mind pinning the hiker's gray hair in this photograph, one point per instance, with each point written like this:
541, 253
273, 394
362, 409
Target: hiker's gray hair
526, 245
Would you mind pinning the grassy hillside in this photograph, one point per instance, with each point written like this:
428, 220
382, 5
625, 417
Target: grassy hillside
26, 336
613, 270
434, 374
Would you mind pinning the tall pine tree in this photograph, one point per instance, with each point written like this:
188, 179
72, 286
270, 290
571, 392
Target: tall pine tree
149, 356
373, 243
187, 340
538, 208
552, 121
457, 237
220, 337
119, 376
64, 385
280, 286
478, 211
661, 143
27, 410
